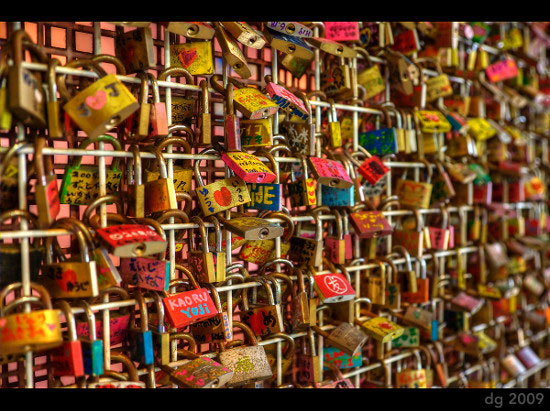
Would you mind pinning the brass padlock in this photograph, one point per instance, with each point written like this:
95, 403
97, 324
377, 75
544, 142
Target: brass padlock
135, 49
190, 29
245, 34
194, 56
45, 190
27, 101
70, 279
183, 107
35, 330
101, 106
232, 53
209, 267
344, 337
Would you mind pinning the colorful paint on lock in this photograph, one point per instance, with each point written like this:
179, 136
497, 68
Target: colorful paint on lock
264, 196
145, 273
256, 133
188, 307
222, 195
287, 101
379, 142
335, 356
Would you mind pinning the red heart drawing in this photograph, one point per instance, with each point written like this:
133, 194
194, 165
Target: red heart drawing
187, 57
67, 277
52, 327
3, 322
97, 101
223, 197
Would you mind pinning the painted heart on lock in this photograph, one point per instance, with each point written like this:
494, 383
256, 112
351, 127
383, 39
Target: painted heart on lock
67, 277
187, 57
223, 196
97, 101
3, 322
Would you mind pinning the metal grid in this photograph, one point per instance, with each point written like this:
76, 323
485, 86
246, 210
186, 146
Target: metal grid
98, 32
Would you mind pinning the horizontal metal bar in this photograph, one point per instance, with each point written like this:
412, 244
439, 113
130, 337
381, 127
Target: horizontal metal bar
54, 232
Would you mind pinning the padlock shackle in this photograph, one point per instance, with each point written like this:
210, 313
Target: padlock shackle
99, 139
109, 198
90, 318
290, 342
176, 72
128, 365
107, 58
136, 176
44, 296
188, 353
65, 307
274, 261
289, 226
80, 63
204, 236
399, 249
180, 141
190, 277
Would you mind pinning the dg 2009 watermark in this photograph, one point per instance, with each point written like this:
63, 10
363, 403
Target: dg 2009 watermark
514, 398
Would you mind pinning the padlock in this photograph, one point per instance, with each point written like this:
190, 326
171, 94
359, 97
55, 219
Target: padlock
27, 101
267, 196
92, 347
208, 267
251, 102
263, 319
127, 239
36, 330
399, 74
302, 192
336, 76
245, 34
232, 131
199, 372
135, 49
370, 78
80, 184
182, 175
332, 287
410, 273
100, 107
190, 306
248, 167
377, 327
231, 52
136, 188
292, 28
260, 251
220, 195
45, 189
107, 273
10, 254
182, 107
330, 172
439, 237
145, 272
9, 171
300, 134
140, 339
160, 194
5, 114
161, 338
194, 56
443, 189
215, 329
70, 279
249, 363
55, 129
190, 29
118, 319
375, 286
291, 104
415, 194
159, 120
335, 245
307, 250
67, 359
412, 240
344, 337
287, 357
380, 142
422, 294
414, 378
256, 133
137, 124
288, 44
115, 379
309, 366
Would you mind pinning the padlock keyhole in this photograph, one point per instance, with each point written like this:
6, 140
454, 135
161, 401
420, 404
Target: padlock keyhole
114, 120
290, 29
139, 249
291, 48
192, 30
263, 233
